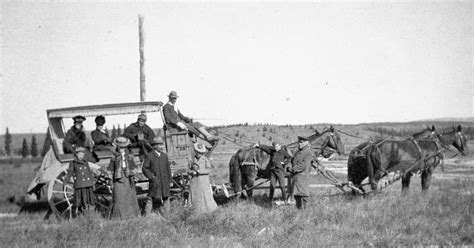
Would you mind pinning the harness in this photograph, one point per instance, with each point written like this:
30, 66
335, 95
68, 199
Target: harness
253, 162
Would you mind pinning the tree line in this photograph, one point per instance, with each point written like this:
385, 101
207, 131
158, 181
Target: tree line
469, 131
24, 151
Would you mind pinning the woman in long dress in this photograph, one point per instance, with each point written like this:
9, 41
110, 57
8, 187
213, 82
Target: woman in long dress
201, 192
124, 197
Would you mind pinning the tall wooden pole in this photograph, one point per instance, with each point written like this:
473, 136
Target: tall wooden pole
141, 36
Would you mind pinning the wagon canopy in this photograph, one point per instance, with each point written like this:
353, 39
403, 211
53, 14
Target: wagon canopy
106, 109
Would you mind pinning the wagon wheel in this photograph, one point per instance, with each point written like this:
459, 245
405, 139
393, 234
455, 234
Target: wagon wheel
180, 189
60, 196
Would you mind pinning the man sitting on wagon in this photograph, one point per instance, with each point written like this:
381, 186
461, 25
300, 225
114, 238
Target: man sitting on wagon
75, 136
140, 135
175, 119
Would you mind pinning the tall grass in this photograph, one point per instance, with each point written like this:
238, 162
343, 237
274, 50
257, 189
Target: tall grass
441, 217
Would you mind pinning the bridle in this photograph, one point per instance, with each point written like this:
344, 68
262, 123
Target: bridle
324, 145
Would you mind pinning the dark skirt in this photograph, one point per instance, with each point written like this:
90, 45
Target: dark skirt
84, 197
124, 199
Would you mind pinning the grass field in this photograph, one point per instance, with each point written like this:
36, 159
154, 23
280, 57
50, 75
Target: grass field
442, 216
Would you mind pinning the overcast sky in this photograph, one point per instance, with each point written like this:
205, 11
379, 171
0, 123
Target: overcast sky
264, 62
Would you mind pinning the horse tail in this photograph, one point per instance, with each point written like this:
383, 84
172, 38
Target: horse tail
234, 172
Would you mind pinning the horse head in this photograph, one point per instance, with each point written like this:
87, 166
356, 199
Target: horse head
457, 138
329, 137
460, 141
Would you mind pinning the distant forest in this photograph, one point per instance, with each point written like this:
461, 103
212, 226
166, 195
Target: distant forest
400, 132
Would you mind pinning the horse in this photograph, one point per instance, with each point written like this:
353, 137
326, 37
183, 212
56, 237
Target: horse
417, 153
249, 163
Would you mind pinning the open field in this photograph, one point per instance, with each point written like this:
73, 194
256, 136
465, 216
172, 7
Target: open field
442, 216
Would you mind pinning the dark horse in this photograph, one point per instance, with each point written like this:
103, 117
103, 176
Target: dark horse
417, 153
246, 164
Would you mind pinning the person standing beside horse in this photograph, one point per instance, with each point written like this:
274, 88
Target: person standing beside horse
175, 119
140, 135
201, 192
124, 196
156, 168
279, 158
300, 172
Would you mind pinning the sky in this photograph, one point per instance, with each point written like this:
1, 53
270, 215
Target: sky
255, 62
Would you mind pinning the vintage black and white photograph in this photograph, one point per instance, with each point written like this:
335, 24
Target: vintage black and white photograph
236, 123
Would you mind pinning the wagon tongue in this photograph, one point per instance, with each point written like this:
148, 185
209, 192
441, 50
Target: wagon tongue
226, 192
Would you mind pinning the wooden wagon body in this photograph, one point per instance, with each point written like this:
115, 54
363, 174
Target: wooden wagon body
49, 183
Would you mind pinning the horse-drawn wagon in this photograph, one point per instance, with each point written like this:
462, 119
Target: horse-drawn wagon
49, 181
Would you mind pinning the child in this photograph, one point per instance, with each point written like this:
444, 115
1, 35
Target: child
83, 182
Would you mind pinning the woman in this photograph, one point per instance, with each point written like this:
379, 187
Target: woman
83, 184
100, 136
201, 191
124, 197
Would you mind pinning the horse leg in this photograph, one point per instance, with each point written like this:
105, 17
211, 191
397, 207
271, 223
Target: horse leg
406, 183
371, 172
426, 179
250, 183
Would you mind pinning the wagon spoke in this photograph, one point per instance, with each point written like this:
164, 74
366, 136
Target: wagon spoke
62, 201
61, 192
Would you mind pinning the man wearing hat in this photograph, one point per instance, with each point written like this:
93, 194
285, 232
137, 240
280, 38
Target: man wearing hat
300, 172
140, 135
278, 159
75, 136
100, 136
156, 168
175, 119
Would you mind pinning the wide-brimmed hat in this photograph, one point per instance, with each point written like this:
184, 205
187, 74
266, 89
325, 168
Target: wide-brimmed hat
122, 142
78, 118
100, 120
301, 138
173, 94
199, 147
142, 117
157, 140
80, 149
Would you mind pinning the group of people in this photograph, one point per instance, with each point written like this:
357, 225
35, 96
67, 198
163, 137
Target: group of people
156, 165
299, 172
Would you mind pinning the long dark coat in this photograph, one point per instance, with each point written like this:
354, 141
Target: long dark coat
132, 131
157, 169
172, 116
74, 138
301, 168
124, 196
101, 140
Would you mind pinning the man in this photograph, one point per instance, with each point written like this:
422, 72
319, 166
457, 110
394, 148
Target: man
278, 159
140, 135
300, 172
156, 168
75, 136
175, 119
